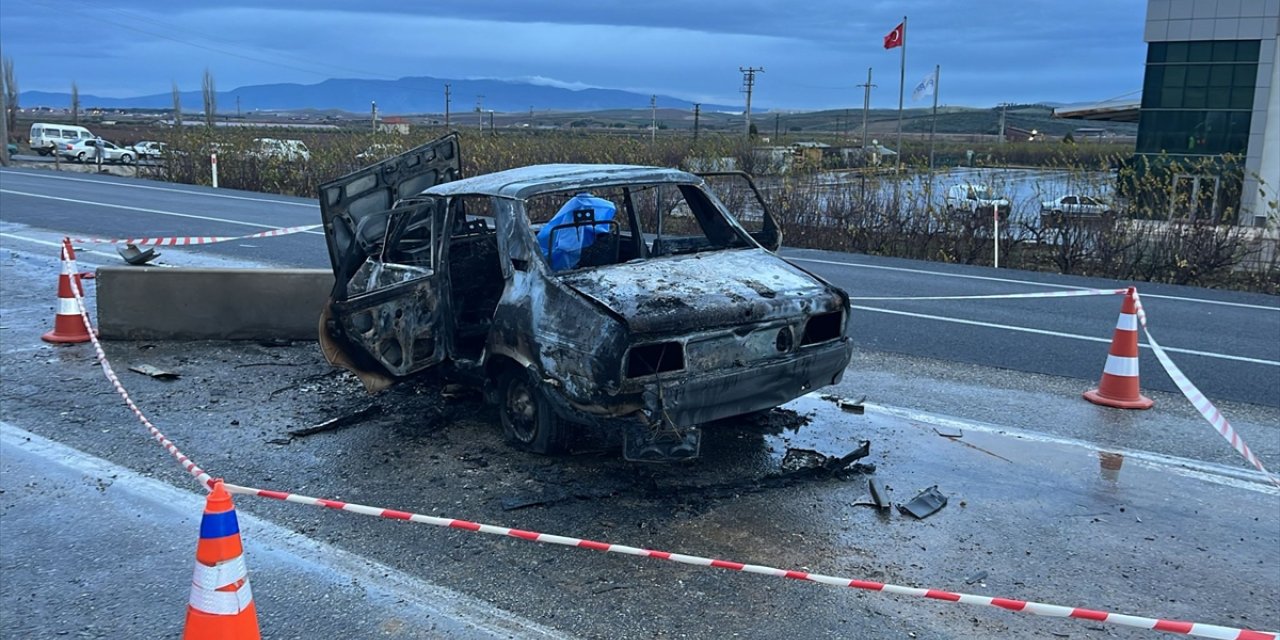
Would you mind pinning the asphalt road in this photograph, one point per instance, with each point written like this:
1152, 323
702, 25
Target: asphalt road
1050, 498
1228, 343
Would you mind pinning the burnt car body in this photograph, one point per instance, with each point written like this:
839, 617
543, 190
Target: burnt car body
640, 306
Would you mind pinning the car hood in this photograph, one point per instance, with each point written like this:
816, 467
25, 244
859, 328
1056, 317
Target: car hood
705, 290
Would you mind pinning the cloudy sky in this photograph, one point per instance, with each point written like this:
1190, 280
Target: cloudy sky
814, 51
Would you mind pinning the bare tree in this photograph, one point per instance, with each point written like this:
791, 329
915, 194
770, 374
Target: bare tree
11, 96
210, 98
75, 104
177, 106
5, 80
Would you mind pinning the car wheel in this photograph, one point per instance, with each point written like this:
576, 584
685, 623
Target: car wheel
126, 158
80, 157
528, 420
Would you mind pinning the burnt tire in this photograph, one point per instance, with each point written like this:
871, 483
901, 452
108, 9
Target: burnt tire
528, 420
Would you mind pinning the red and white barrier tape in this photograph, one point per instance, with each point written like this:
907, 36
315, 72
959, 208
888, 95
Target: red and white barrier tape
1198, 400
1024, 606
1193, 395
187, 464
182, 241
1006, 296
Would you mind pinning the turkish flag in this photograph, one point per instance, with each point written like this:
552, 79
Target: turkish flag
895, 37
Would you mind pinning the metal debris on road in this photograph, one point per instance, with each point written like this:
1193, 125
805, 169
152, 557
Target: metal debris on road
925, 504
977, 577
339, 422
154, 372
810, 462
879, 494
845, 404
135, 257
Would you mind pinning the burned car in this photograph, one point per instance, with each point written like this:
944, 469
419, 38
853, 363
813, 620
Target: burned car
624, 298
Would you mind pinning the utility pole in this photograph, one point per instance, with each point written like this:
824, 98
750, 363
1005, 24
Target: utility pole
697, 115
492, 130
373, 110
653, 126
748, 84
480, 111
237, 107
847, 119
447, 100
866, 108
777, 125
4, 126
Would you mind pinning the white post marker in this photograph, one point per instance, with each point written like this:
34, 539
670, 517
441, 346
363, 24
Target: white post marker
995, 217
213, 164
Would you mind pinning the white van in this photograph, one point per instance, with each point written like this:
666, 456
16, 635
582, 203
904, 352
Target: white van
46, 137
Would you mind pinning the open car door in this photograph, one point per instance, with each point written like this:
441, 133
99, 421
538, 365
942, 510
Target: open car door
738, 192
386, 315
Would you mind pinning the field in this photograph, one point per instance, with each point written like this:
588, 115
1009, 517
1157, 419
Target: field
1138, 243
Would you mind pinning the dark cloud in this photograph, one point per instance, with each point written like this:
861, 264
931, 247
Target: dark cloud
814, 52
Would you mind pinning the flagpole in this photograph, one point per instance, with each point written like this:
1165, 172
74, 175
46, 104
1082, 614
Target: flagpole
902, 82
933, 125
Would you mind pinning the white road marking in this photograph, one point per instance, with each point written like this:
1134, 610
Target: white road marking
210, 194
1210, 472
1059, 334
155, 211
1026, 282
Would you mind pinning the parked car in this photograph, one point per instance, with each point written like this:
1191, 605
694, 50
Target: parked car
287, 150
975, 199
150, 149
574, 298
1076, 205
85, 151
46, 138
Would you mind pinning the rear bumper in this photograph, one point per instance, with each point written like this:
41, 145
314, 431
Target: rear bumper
690, 401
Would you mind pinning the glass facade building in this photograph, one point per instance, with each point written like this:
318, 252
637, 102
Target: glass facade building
1207, 128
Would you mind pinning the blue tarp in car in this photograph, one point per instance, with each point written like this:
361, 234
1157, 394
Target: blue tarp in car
570, 241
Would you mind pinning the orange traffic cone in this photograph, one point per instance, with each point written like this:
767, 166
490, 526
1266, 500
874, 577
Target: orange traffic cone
68, 326
221, 604
1119, 385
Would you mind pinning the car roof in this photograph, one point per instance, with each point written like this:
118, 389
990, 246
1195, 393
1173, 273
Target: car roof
523, 182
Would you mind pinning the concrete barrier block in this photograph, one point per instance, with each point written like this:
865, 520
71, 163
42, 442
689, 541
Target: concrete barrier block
155, 303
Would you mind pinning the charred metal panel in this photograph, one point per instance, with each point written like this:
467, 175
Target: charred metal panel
706, 290
398, 326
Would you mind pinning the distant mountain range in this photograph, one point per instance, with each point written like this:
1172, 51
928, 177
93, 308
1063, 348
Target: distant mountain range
404, 96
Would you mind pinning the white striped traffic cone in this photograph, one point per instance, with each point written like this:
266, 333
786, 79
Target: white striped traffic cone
68, 326
1119, 385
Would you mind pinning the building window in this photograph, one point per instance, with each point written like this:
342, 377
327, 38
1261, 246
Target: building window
1196, 97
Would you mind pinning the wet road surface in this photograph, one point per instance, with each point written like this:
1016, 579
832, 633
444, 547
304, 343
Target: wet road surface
1158, 519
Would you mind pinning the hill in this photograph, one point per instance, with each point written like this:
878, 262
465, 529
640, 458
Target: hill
403, 96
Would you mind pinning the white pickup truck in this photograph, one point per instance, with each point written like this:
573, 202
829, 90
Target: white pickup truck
975, 198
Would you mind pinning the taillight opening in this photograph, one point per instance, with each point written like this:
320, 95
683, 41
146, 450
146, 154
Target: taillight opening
660, 357
823, 327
